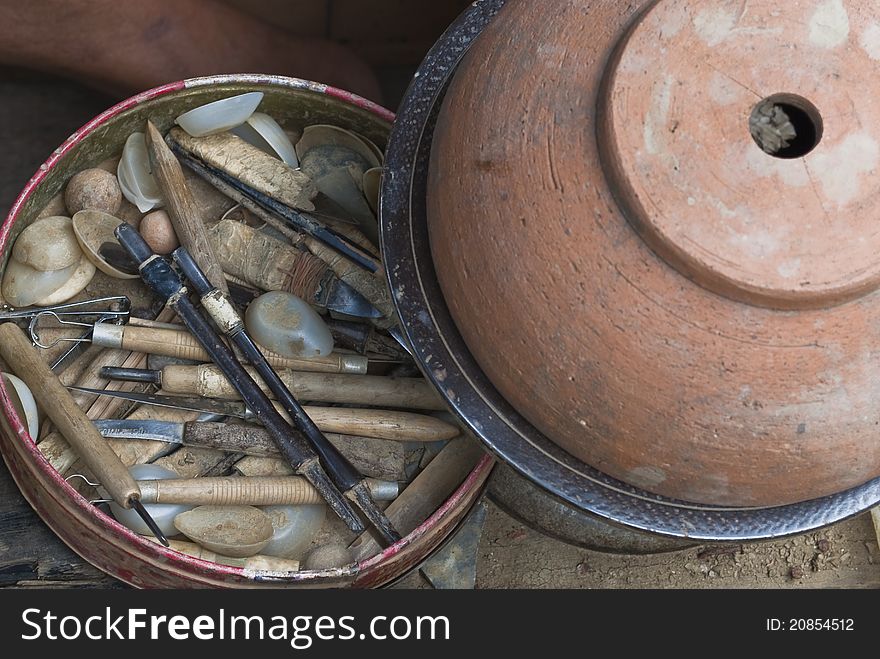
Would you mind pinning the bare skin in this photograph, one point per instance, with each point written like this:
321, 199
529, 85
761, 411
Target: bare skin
124, 46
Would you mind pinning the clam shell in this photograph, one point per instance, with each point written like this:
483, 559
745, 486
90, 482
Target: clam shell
220, 115
80, 278
372, 183
23, 285
48, 244
263, 132
163, 513
24, 402
294, 528
286, 324
135, 174
326, 135
93, 229
236, 531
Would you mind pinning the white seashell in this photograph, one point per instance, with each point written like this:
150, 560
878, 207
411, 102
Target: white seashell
326, 135
220, 115
372, 183
77, 282
295, 527
23, 285
26, 403
283, 323
48, 244
93, 229
263, 132
162, 513
135, 175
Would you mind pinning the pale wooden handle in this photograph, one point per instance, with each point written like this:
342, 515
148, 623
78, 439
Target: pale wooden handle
426, 493
282, 491
408, 393
182, 208
381, 424
67, 416
183, 345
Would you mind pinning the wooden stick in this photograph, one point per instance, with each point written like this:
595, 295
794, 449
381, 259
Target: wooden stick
182, 208
237, 491
382, 424
426, 493
407, 393
55, 400
875, 517
183, 345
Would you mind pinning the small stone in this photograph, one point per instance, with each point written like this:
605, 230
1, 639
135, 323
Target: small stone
823, 545
93, 189
158, 231
796, 572
583, 569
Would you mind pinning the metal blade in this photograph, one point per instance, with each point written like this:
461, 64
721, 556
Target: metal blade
159, 431
191, 403
342, 298
397, 334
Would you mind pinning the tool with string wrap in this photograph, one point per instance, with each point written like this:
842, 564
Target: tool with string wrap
345, 476
158, 274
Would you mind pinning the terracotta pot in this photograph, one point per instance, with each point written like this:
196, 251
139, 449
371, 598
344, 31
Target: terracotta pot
644, 283
97, 537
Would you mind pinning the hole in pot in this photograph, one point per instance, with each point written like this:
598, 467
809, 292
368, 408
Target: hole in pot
786, 126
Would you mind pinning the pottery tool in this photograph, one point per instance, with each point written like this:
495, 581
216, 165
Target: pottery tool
370, 284
379, 424
377, 458
371, 390
180, 344
158, 274
239, 491
113, 309
341, 471
364, 339
182, 208
211, 160
73, 423
269, 264
427, 492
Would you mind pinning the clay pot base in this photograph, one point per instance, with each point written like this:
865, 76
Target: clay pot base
653, 291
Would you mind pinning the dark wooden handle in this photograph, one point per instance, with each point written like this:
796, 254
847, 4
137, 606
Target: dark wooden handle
375, 458
182, 208
67, 416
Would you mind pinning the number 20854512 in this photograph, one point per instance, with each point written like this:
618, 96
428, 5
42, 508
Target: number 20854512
811, 625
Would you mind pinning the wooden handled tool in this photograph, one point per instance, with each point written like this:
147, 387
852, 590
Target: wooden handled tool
166, 282
340, 470
378, 424
427, 492
208, 381
181, 206
183, 345
58, 404
236, 491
